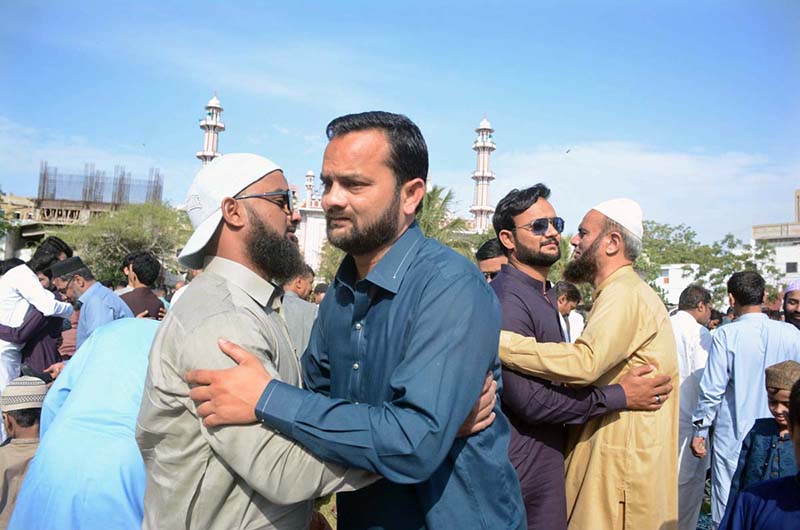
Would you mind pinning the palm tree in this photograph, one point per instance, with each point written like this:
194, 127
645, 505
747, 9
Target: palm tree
437, 222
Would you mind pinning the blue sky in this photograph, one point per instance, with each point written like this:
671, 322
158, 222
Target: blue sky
691, 108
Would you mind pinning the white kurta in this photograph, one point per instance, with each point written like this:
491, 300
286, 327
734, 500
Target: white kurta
694, 342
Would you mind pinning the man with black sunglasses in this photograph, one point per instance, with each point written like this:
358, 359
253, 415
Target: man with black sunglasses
530, 234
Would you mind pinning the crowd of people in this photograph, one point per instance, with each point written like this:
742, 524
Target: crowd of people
421, 390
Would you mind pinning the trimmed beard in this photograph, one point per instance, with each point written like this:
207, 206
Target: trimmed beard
535, 259
583, 269
276, 257
360, 241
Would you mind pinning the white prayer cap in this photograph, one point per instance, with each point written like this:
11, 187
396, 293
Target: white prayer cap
625, 212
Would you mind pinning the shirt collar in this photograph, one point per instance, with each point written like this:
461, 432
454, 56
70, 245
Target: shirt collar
390, 270
263, 292
541, 287
752, 316
88, 293
625, 270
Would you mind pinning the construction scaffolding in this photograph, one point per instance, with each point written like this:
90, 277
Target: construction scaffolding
93, 186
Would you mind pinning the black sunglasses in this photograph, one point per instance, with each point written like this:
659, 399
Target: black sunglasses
285, 199
489, 275
539, 226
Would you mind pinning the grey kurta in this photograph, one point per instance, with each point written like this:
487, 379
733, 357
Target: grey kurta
235, 476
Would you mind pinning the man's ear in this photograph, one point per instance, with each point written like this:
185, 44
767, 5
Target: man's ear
234, 213
614, 245
506, 238
411, 195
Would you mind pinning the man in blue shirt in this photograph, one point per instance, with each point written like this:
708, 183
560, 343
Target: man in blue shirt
732, 393
99, 305
397, 355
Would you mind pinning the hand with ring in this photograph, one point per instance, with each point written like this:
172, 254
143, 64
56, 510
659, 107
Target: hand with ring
658, 399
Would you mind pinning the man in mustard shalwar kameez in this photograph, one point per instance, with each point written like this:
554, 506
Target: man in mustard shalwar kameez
621, 468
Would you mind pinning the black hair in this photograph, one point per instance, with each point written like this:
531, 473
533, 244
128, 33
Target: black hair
320, 288
129, 257
489, 249
794, 405
747, 288
53, 245
692, 296
7, 265
408, 152
147, 268
572, 292
26, 417
514, 203
305, 272
716, 315
41, 264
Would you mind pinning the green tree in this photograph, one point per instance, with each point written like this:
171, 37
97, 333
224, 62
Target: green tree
330, 259
437, 222
105, 240
665, 244
720, 260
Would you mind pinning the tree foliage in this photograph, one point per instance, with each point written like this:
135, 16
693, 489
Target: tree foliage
106, 239
330, 259
436, 221
665, 244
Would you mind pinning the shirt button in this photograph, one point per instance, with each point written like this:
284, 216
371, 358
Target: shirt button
358, 326
355, 366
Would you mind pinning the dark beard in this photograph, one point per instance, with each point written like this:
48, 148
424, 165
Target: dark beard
584, 268
274, 256
535, 259
364, 240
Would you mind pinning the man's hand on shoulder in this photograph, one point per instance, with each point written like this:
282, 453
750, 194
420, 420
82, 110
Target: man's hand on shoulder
644, 392
230, 396
481, 415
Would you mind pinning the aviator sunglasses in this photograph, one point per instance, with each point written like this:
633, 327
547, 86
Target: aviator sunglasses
539, 226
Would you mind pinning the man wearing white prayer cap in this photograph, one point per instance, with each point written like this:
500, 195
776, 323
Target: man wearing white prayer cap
622, 468
791, 303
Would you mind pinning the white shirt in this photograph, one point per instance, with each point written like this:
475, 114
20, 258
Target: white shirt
576, 325
694, 342
19, 289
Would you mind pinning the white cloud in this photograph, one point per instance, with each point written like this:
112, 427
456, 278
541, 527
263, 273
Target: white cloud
712, 193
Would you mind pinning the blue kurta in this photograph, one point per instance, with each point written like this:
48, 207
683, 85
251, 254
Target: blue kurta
733, 393
765, 455
88, 472
770, 505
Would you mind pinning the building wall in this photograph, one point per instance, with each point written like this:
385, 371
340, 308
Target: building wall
673, 280
787, 260
311, 236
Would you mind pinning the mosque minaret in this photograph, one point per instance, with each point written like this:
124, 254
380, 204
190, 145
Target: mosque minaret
212, 126
481, 208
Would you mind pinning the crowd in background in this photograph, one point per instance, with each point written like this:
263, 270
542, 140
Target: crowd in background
420, 390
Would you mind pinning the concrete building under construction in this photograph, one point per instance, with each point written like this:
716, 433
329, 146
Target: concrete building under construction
70, 198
